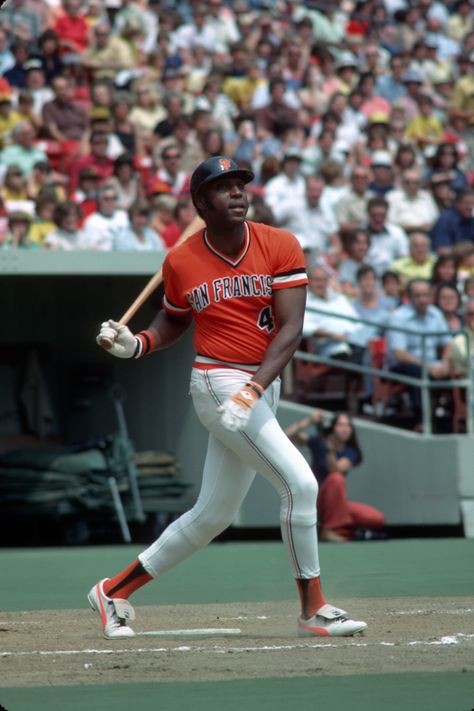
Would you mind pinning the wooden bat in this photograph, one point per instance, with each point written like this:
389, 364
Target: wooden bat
153, 284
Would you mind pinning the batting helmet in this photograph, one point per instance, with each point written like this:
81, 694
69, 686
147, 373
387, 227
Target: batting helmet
214, 168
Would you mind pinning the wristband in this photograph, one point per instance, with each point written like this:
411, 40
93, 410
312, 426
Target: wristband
147, 343
256, 387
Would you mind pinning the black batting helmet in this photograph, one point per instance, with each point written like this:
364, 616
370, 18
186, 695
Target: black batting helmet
214, 168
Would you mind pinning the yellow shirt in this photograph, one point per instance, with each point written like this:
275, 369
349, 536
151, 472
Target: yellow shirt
6, 125
241, 90
424, 127
408, 268
463, 96
40, 230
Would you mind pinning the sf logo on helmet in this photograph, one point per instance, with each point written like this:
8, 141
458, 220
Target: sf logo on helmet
225, 164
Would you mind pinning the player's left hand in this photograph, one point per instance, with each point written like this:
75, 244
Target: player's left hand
236, 410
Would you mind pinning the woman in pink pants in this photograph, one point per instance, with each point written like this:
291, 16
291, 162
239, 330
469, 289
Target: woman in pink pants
335, 451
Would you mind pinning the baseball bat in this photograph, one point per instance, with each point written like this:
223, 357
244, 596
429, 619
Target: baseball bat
196, 224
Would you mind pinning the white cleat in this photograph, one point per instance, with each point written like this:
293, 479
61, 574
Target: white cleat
114, 613
329, 621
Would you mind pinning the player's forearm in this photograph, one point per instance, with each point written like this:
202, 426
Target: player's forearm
166, 330
278, 354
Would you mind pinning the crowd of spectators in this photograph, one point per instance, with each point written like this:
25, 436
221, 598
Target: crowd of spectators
357, 118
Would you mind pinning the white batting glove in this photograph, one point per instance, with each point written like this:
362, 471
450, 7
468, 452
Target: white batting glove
236, 410
124, 342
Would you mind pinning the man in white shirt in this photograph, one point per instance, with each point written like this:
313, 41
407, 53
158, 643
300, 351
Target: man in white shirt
410, 207
331, 335
388, 242
314, 224
285, 194
103, 227
351, 210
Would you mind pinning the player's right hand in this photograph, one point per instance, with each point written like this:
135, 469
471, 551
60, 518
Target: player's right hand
124, 343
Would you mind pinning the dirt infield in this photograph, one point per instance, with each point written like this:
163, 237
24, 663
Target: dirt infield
66, 647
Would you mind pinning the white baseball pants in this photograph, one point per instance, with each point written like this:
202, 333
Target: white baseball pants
232, 460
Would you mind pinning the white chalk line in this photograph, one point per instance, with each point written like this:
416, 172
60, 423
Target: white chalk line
205, 632
447, 640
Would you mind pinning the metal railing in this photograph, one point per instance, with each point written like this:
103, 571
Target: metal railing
425, 383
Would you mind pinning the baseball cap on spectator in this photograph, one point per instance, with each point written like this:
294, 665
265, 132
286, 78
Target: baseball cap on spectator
379, 117
381, 158
292, 154
346, 59
18, 216
99, 113
158, 187
5, 91
88, 173
33, 64
412, 77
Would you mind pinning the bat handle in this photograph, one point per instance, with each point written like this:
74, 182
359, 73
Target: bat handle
106, 343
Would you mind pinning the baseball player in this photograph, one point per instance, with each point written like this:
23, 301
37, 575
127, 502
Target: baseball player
244, 285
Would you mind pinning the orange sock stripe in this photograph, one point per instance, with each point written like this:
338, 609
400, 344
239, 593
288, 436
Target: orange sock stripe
127, 581
311, 596
132, 586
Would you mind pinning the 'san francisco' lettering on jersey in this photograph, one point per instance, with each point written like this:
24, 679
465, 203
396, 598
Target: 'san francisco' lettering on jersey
231, 299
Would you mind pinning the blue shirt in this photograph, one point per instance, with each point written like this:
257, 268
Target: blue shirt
319, 454
450, 228
390, 89
406, 317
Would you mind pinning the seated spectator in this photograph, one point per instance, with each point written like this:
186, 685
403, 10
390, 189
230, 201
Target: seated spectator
23, 152
441, 190
335, 183
121, 125
162, 207
16, 76
216, 98
63, 118
387, 242
448, 300
15, 195
138, 236
420, 261
411, 207
97, 159
170, 172
285, 193
86, 194
445, 161
43, 223
463, 252
335, 452
44, 178
271, 116
35, 83
67, 236
445, 270
351, 209
107, 54
72, 28
456, 224
392, 288
331, 335
101, 229
383, 175
355, 245
213, 144
7, 60
406, 350
314, 224
424, 129
174, 105
459, 349
9, 117
147, 111
126, 182
390, 86
183, 213
50, 55
371, 102
17, 234
413, 82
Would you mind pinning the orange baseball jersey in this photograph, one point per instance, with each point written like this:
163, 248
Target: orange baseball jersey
231, 299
